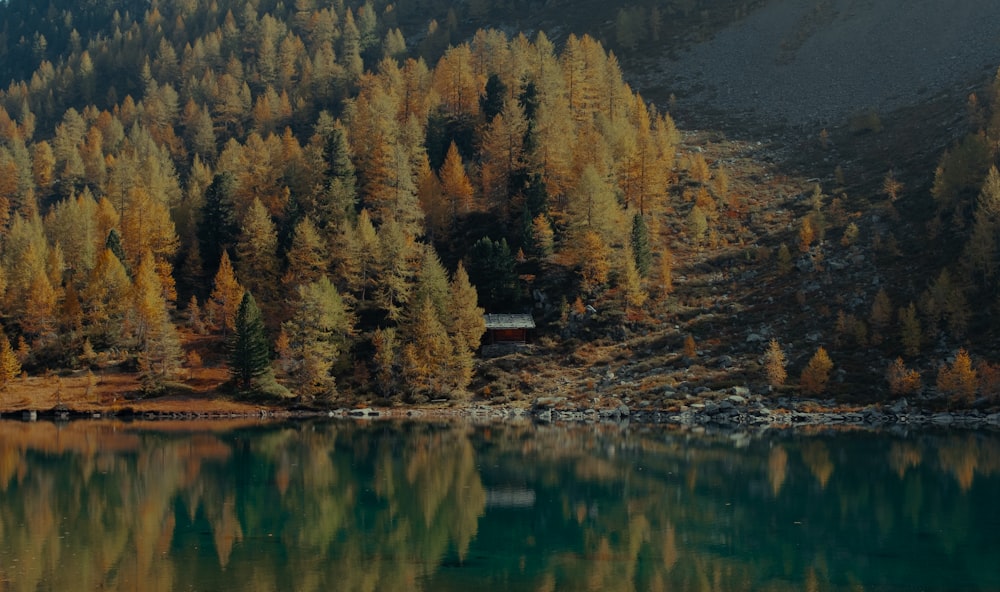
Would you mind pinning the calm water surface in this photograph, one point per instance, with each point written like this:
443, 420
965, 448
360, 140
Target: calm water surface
419, 506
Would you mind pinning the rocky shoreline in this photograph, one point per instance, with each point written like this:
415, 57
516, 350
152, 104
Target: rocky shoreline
737, 411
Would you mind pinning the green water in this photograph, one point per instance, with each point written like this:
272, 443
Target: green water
386, 506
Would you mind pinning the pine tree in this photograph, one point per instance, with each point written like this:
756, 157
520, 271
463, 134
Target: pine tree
10, 367
248, 349
640, 245
774, 364
219, 226
816, 373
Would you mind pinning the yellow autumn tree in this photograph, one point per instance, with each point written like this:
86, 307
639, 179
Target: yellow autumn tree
958, 380
226, 296
902, 380
774, 364
10, 367
816, 373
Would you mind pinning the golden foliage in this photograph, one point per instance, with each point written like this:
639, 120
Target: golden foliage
959, 380
10, 367
902, 380
817, 373
774, 364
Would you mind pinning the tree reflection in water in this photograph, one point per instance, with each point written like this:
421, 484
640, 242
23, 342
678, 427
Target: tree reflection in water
425, 506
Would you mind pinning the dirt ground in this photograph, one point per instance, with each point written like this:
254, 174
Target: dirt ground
110, 392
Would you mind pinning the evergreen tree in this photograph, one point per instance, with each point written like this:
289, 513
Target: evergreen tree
491, 269
640, 245
248, 349
218, 229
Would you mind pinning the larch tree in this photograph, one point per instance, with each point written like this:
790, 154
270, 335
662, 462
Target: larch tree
593, 261
105, 299
464, 315
257, 253
774, 364
816, 373
318, 335
227, 293
503, 157
455, 185
307, 259
10, 366
902, 380
385, 360
154, 334
980, 255
429, 355
432, 282
959, 380
593, 206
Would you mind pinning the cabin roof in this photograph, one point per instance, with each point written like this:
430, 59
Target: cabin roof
509, 321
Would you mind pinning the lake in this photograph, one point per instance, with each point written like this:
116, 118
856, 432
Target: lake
383, 506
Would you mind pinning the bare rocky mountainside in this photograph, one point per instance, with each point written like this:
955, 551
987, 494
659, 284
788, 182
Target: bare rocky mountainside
818, 62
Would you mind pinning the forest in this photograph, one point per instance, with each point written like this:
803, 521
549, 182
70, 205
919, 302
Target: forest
325, 206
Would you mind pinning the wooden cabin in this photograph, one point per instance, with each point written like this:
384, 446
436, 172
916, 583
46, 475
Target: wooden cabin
508, 329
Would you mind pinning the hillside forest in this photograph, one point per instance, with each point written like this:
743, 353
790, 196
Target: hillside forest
326, 207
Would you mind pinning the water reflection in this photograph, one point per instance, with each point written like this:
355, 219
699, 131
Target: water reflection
420, 506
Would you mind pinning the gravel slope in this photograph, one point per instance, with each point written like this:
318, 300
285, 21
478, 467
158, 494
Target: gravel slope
815, 62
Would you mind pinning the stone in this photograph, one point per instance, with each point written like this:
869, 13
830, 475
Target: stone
943, 418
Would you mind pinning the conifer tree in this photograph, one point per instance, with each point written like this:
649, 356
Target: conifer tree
816, 373
249, 360
219, 226
491, 269
227, 294
432, 281
774, 364
317, 335
959, 380
909, 327
902, 380
641, 250
257, 251
10, 367
154, 334
385, 343
429, 354
464, 315
456, 185
105, 298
